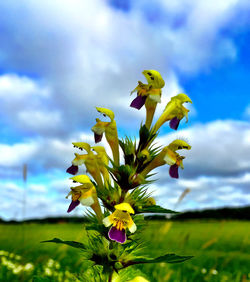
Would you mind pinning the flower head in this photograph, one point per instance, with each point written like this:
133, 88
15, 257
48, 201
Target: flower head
120, 219
174, 112
89, 160
73, 169
110, 130
148, 94
169, 156
84, 193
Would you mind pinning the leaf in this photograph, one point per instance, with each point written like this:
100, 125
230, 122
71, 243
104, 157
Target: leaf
154, 209
73, 244
168, 258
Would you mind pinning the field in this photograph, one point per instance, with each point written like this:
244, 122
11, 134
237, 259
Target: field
221, 251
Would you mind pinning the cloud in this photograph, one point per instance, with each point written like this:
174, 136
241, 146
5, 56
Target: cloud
82, 57
25, 105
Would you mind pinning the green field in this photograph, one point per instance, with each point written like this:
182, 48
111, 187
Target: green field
221, 251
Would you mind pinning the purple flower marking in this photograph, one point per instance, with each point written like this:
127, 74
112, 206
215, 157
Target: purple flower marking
117, 235
72, 169
98, 138
138, 102
174, 123
173, 171
72, 205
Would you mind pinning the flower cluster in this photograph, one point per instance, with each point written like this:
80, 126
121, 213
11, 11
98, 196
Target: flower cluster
115, 189
139, 162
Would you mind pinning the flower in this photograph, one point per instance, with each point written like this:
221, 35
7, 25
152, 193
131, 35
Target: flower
89, 160
84, 194
174, 112
148, 94
73, 169
120, 219
169, 156
110, 130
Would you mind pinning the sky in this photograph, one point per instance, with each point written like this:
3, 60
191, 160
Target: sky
59, 59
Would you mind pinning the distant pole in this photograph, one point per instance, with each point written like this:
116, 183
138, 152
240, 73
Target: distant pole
25, 171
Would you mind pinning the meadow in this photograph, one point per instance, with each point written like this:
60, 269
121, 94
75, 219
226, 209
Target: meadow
221, 251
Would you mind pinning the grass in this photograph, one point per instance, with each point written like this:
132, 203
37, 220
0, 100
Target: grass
221, 251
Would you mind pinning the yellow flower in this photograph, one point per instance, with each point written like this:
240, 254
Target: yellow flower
169, 156
89, 160
174, 112
120, 219
148, 94
110, 130
84, 193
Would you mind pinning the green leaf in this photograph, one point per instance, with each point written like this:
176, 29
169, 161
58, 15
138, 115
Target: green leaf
73, 244
168, 258
154, 209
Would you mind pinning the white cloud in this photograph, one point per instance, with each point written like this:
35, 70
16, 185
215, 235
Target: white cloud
85, 61
16, 154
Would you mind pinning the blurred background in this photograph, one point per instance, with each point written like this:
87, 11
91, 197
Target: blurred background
59, 59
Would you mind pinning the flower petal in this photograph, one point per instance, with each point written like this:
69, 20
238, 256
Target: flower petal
83, 179
87, 201
98, 138
117, 235
174, 123
124, 207
132, 228
173, 171
138, 102
72, 205
72, 169
106, 221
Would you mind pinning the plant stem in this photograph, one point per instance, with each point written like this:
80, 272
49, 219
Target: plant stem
110, 276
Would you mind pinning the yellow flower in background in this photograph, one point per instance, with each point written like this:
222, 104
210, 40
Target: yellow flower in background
169, 156
148, 94
174, 112
120, 219
110, 131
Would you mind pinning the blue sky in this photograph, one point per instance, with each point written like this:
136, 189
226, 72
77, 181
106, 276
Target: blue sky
60, 59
